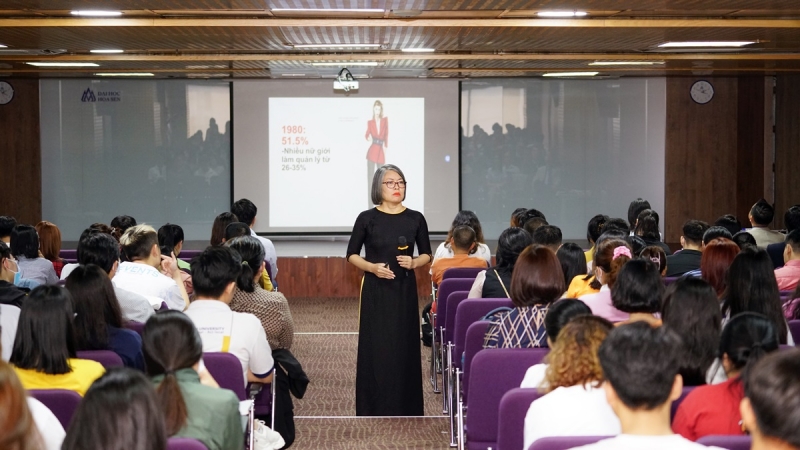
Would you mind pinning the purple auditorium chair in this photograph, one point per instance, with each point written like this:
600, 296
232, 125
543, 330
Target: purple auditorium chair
511, 417
728, 442
69, 255
453, 300
163, 307
462, 272
674, 408
107, 358
227, 371
185, 444
61, 402
493, 373
473, 343
445, 289
135, 326
468, 312
669, 280
794, 328
187, 255
264, 399
564, 443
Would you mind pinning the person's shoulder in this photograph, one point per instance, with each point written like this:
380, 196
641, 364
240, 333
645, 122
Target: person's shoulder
247, 319
126, 336
86, 366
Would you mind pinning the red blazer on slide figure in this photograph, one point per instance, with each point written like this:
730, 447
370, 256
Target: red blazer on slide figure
380, 138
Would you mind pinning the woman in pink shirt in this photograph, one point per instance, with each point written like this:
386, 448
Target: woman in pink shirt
610, 256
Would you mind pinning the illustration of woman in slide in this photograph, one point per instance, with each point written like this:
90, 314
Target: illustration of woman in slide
378, 133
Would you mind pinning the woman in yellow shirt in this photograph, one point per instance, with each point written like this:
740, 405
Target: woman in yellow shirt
44, 348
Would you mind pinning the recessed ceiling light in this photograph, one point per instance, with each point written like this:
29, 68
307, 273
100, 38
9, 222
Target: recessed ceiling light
207, 66
293, 74
418, 50
96, 13
346, 63
335, 45
107, 51
570, 74
561, 13
329, 10
706, 44
626, 63
63, 64
125, 74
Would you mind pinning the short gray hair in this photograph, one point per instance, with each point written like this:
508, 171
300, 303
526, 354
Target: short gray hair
377, 182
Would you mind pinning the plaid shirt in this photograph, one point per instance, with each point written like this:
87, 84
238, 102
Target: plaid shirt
521, 328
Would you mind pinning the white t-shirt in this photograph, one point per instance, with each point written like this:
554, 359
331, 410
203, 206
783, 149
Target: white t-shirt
534, 376
444, 251
9, 318
635, 442
149, 282
48, 425
67, 269
215, 321
571, 411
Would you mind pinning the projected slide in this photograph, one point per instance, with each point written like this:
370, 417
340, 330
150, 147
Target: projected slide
323, 153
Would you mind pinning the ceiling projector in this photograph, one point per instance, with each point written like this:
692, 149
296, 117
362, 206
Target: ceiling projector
345, 81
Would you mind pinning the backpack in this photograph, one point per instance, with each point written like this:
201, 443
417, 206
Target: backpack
427, 326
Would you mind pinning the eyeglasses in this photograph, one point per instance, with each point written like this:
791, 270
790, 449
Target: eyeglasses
395, 184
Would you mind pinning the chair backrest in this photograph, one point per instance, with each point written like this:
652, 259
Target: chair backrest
669, 280
107, 358
135, 326
453, 300
262, 402
473, 343
794, 328
564, 443
445, 289
185, 444
70, 255
227, 371
493, 373
727, 442
468, 312
511, 417
462, 272
676, 403
187, 255
61, 402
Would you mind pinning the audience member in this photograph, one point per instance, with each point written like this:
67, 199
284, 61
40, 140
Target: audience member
120, 224
691, 309
10, 294
462, 242
688, 258
760, 216
588, 284
98, 320
791, 220
715, 232
142, 273
215, 272
640, 365
25, 423
609, 258
617, 224
636, 243
221, 222
788, 276
93, 228
101, 249
50, 244
751, 287
494, 282
246, 211
647, 229
533, 224
271, 308
170, 242
517, 217
557, 317
537, 282
191, 409
548, 236
656, 255
575, 404
743, 239
717, 258
594, 229
44, 348
481, 250
234, 230
713, 409
637, 291
9, 318
25, 247
634, 209
7, 224
120, 411
730, 223
771, 407
573, 261
529, 214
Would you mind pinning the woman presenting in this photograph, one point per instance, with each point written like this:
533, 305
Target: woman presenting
378, 133
389, 368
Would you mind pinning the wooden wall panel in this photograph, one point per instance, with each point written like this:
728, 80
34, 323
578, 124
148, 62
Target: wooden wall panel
750, 145
787, 145
20, 153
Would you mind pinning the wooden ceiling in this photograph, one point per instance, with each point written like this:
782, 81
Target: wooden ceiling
471, 38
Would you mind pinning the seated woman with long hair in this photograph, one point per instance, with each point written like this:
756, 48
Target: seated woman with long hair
98, 319
717, 257
714, 409
495, 282
575, 403
271, 308
44, 348
219, 225
573, 261
609, 257
25, 247
50, 244
647, 228
638, 291
537, 282
691, 309
470, 219
120, 411
25, 423
191, 409
587, 284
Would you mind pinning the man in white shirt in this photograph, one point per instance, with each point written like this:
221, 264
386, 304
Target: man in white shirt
246, 211
640, 364
214, 274
142, 272
760, 216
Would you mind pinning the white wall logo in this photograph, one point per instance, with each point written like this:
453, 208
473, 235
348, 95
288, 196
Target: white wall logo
91, 96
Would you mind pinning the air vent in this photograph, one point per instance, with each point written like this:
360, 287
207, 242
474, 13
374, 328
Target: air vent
31, 51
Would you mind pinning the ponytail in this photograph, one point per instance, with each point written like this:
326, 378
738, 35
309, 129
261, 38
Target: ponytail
245, 281
171, 401
252, 253
616, 265
747, 338
611, 255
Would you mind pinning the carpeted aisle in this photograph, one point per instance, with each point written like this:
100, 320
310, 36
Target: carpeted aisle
325, 343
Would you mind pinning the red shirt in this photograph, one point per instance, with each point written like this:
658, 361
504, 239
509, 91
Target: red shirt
710, 410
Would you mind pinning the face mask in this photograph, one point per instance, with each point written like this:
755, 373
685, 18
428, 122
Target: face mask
17, 274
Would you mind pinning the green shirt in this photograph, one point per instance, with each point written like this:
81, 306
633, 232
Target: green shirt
183, 264
213, 413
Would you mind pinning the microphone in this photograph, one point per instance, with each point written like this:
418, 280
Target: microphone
402, 247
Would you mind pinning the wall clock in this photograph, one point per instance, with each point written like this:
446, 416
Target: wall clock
702, 92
